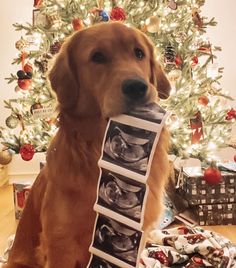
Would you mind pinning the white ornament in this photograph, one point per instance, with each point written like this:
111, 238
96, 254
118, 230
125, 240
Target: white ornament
153, 24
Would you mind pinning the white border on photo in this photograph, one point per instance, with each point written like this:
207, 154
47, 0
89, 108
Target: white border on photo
109, 258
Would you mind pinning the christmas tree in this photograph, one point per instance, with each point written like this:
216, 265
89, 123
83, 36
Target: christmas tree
200, 121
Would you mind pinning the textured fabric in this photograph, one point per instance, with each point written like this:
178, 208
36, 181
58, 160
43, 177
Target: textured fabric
188, 248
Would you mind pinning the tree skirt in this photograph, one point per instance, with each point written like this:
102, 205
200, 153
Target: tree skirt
188, 248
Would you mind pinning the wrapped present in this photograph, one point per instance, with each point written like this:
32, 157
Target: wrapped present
215, 214
193, 187
21, 192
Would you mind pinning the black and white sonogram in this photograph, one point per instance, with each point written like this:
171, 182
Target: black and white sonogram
117, 239
151, 112
98, 262
128, 146
121, 194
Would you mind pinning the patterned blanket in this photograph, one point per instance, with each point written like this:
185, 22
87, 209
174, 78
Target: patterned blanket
188, 248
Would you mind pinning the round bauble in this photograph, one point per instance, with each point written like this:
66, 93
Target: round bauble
118, 14
174, 75
104, 15
24, 83
21, 44
28, 68
35, 106
212, 175
12, 121
5, 157
21, 74
203, 100
77, 24
153, 24
27, 152
178, 60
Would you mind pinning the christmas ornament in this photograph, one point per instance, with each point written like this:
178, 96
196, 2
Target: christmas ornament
196, 127
54, 21
27, 152
204, 47
5, 157
37, 3
24, 83
104, 15
42, 63
41, 20
194, 60
197, 20
77, 24
231, 114
178, 60
153, 24
169, 54
203, 100
24, 75
55, 47
212, 175
180, 37
28, 68
172, 4
21, 44
17, 89
35, 106
118, 14
12, 121
174, 75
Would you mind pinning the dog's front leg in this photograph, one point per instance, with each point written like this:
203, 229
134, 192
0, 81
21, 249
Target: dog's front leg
58, 239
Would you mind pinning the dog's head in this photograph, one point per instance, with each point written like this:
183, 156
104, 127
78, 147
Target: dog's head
106, 70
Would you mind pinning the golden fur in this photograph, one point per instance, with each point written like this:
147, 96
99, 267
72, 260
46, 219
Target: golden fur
57, 224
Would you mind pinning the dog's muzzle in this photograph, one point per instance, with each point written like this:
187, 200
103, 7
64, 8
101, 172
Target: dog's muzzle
134, 89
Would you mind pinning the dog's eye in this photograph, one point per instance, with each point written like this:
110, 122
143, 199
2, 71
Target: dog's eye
99, 57
139, 54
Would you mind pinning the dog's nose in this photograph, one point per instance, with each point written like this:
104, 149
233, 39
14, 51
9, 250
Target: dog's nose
134, 89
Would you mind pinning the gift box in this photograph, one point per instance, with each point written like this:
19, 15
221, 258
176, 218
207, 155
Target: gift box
215, 214
21, 192
193, 187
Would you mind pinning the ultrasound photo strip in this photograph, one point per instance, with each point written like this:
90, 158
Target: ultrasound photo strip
116, 242
127, 151
121, 198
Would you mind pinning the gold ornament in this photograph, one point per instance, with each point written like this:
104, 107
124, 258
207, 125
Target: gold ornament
21, 44
153, 24
174, 75
5, 157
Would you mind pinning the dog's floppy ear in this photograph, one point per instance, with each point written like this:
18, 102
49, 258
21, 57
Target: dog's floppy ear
159, 79
63, 78
157, 76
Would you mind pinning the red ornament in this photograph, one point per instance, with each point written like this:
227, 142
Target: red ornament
28, 68
196, 127
77, 24
27, 152
178, 60
235, 158
231, 114
37, 3
24, 83
194, 60
212, 175
203, 100
118, 14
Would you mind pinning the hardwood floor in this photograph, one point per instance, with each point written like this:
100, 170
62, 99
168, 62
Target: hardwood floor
8, 223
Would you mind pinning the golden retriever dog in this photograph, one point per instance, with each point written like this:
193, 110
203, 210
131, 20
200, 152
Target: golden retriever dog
101, 71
